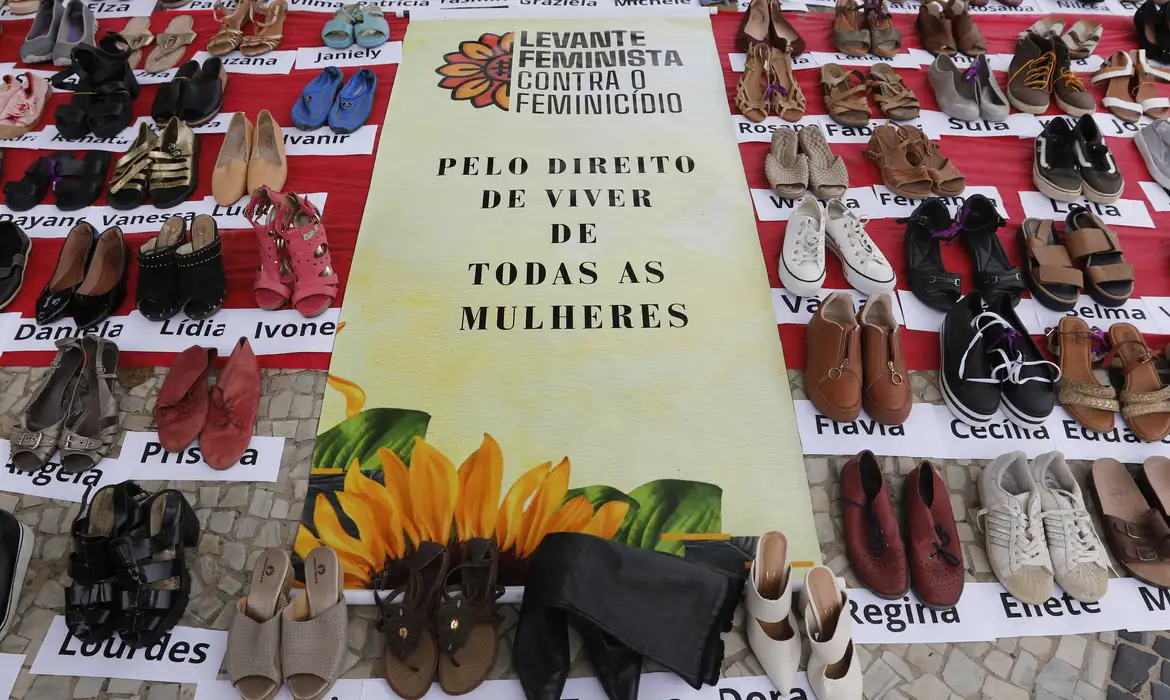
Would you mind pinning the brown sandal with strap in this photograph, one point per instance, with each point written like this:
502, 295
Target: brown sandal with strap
946, 179
1096, 249
411, 659
231, 27
466, 623
1053, 279
1137, 533
784, 96
749, 92
844, 99
1077, 346
850, 36
893, 98
270, 28
888, 149
884, 39
1145, 403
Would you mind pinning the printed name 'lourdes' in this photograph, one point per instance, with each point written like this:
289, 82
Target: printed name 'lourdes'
31, 331
891, 615
330, 57
180, 652
857, 427
1005, 430
1075, 431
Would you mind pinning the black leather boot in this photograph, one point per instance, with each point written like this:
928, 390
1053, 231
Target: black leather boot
628, 603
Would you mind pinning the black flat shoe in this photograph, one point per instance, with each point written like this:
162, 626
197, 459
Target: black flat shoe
169, 98
200, 266
928, 278
15, 248
29, 191
994, 275
57, 296
173, 176
78, 183
159, 292
104, 287
203, 94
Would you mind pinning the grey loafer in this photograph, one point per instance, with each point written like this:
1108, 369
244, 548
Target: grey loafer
78, 26
955, 95
38, 44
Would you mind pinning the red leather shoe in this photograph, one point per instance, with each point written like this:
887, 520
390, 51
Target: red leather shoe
936, 557
235, 398
181, 410
872, 538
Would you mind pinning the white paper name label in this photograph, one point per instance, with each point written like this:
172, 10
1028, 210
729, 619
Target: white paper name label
790, 308
326, 142
260, 461
10, 665
320, 57
894, 206
1123, 212
1159, 308
1132, 311
907, 621
271, 63
51, 482
1157, 195
772, 207
183, 655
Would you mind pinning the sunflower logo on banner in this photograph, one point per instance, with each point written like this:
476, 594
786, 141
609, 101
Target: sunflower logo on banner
480, 71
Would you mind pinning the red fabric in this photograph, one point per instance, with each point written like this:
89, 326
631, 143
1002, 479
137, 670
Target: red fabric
345, 178
1005, 162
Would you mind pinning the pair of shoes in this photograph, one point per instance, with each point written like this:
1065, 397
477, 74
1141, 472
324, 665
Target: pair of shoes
1069, 161
1036, 529
1080, 40
810, 230
324, 100
175, 273
859, 29
764, 23
1085, 255
104, 89
1152, 22
295, 263
361, 24
159, 166
16, 545
911, 165
846, 100
15, 251
970, 94
947, 28
977, 223
445, 627
773, 633
802, 160
1130, 89
276, 640
56, 30
930, 559
267, 16
138, 36
222, 416
768, 85
989, 361
250, 158
1040, 71
194, 95
22, 103
128, 567
76, 183
89, 280
73, 409
170, 46
843, 381
1135, 530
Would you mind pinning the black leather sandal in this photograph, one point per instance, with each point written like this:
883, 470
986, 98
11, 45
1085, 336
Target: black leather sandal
29, 191
151, 568
994, 276
203, 94
169, 98
78, 183
1152, 23
92, 603
928, 277
104, 89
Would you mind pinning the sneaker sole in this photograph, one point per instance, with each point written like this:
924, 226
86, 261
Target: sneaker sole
866, 285
1025, 107
1050, 190
957, 408
1099, 197
23, 554
1018, 417
1071, 110
799, 287
1161, 179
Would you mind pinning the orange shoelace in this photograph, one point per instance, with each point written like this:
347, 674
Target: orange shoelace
1071, 80
1038, 72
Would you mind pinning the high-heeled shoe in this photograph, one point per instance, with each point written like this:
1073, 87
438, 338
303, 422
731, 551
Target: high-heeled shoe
316, 282
270, 27
834, 672
273, 285
231, 27
103, 92
771, 628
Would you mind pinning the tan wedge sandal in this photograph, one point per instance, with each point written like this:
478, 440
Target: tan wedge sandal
1136, 532
1077, 346
750, 91
1117, 72
1145, 403
312, 629
254, 637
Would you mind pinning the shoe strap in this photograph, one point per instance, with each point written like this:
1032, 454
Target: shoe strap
767, 609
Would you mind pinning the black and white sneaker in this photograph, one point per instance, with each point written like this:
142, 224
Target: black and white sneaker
1101, 181
969, 385
1054, 162
1029, 381
16, 544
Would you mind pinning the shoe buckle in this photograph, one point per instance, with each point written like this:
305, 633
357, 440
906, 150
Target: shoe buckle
1134, 532
1146, 554
1145, 358
28, 439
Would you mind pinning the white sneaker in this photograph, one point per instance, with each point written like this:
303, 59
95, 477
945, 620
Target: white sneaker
1013, 528
833, 669
802, 262
1079, 562
772, 630
866, 268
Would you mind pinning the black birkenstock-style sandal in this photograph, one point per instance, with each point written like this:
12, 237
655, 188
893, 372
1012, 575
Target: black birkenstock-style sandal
78, 183
979, 222
929, 279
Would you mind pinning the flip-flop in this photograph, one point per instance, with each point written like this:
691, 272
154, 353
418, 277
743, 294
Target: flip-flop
138, 37
254, 637
171, 45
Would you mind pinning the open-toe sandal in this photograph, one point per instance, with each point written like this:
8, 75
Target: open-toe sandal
78, 183
1145, 402
231, 27
784, 96
36, 437
92, 429
845, 99
467, 626
827, 176
930, 281
308, 251
946, 179
1144, 87
30, 190
138, 37
750, 95
850, 35
979, 225
1096, 249
1137, 533
312, 629
1082, 38
884, 39
129, 182
158, 295
371, 28
173, 176
1054, 281
411, 659
893, 98
1077, 348
785, 168
273, 285
1117, 72
253, 655
201, 273
888, 149
269, 21
171, 45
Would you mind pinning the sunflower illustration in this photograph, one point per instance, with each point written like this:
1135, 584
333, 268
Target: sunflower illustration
480, 71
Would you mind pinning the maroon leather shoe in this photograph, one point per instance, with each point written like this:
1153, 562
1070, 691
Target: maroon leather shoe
872, 538
181, 410
235, 398
934, 551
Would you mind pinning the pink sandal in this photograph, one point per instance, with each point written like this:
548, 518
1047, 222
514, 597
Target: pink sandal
272, 286
308, 252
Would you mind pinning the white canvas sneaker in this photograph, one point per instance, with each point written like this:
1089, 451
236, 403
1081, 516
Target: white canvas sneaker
866, 268
1013, 530
772, 630
802, 261
1079, 562
833, 669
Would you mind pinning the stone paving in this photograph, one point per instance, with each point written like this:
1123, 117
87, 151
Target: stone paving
240, 520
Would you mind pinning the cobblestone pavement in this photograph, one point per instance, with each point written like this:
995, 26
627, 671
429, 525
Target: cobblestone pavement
240, 520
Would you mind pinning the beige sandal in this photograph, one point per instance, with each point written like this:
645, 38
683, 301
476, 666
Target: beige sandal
1082, 38
784, 96
786, 170
893, 98
138, 37
171, 45
231, 27
844, 99
1144, 87
749, 92
1117, 72
312, 629
254, 637
1137, 533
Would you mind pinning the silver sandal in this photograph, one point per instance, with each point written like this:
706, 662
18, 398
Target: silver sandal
93, 418
35, 440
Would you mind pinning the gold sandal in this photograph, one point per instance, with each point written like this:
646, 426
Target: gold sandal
131, 171
268, 36
231, 27
784, 95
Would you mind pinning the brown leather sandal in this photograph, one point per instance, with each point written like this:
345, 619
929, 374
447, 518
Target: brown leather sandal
968, 39
884, 39
1136, 532
946, 179
1145, 403
467, 624
935, 29
893, 98
1077, 346
231, 27
749, 91
888, 149
1051, 275
1096, 249
850, 35
271, 25
1118, 72
784, 96
411, 659
844, 99
781, 33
